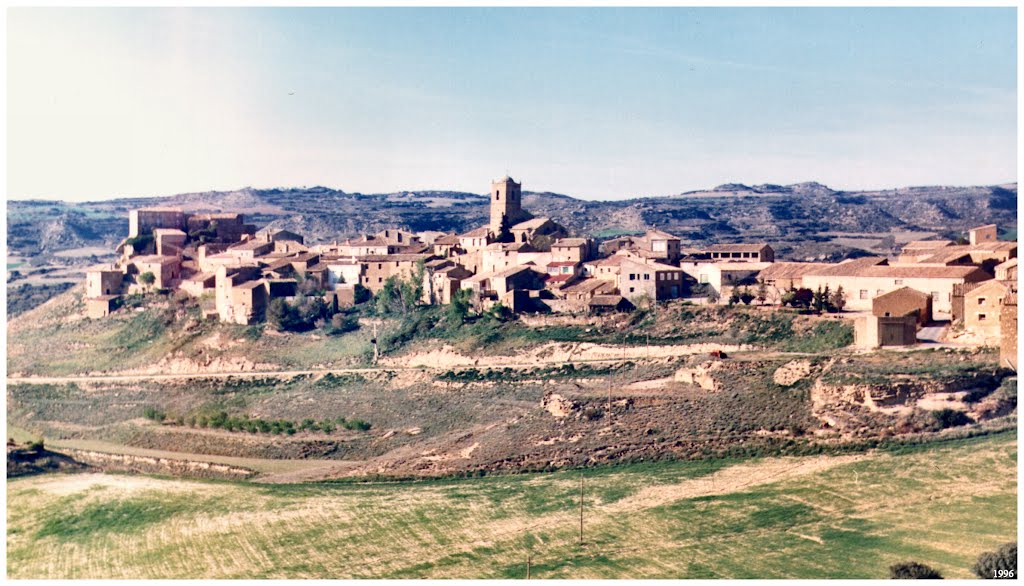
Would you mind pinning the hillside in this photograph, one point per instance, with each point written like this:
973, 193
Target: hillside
791, 215
811, 517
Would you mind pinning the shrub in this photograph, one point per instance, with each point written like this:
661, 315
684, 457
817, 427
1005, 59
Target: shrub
154, 414
999, 564
950, 418
913, 571
37, 445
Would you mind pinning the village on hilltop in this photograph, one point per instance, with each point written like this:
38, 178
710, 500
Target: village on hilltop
532, 264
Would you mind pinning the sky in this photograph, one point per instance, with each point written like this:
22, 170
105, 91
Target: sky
593, 103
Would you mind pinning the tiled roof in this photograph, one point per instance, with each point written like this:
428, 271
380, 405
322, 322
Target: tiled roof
569, 242
791, 270
736, 247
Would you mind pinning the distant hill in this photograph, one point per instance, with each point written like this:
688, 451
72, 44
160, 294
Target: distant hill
802, 221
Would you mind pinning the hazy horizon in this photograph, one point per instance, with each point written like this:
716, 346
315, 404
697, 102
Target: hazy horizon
594, 103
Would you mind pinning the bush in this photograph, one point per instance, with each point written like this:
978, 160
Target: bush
154, 414
913, 571
37, 445
950, 418
999, 564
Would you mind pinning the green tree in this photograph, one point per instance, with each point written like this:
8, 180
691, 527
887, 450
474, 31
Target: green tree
361, 294
147, 278
280, 315
458, 310
838, 300
746, 296
762, 292
999, 564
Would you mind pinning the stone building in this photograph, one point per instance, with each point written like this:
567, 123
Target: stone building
982, 234
103, 280
572, 249
901, 302
983, 310
1008, 331
873, 331
740, 252
654, 281
169, 241
166, 270
143, 221
864, 279
506, 208
102, 306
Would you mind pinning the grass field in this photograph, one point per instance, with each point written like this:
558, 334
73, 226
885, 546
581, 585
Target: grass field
850, 516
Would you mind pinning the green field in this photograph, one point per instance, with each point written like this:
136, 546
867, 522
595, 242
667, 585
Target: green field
852, 516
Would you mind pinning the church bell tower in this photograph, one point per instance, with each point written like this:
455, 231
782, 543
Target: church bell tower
506, 205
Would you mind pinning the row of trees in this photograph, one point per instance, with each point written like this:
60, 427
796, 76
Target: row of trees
820, 300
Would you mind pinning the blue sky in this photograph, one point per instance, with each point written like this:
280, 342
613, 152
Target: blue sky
594, 103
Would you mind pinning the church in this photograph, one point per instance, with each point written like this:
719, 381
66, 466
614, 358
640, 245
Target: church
510, 223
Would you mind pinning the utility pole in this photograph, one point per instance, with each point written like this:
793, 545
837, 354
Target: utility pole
376, 354
528, 560
581, 507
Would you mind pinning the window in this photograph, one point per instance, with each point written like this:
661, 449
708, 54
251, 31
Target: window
981, 301
899, 281
981, 317
631, 289
863, 293
632, 277
647, 276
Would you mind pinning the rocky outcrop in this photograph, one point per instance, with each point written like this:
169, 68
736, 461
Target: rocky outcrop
154, 465
558, 405
700, 375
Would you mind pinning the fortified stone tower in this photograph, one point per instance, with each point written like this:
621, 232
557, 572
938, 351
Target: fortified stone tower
506, 205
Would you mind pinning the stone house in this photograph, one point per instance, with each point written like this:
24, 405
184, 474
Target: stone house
474, 240
143, 221
1007, 271
271, 235
1008, 332
251, 249
723, 277
603, 304
864, 279
740, 252
572, 249
901, 302
169, 241
447, 245
655, 281
166, 270
873, 331
101, 306
982, 234
103, 280
377, 269
983, 310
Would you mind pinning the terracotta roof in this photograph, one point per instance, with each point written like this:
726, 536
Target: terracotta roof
562, 263
587, 285
606, 300
791, 270
249, 285
655, 234
848, 267
531, 224
905, 272
569, 242
512, 271
447, 239
559, 278
901, 292
392, 257
736, 247
252, 245
477, 233
926, 244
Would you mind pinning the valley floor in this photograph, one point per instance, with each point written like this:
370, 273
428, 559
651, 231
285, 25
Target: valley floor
851, 516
